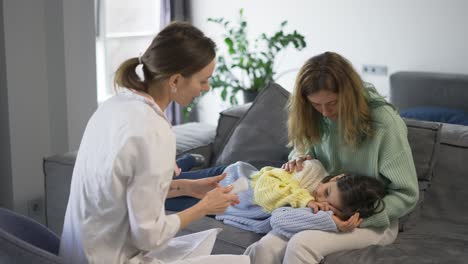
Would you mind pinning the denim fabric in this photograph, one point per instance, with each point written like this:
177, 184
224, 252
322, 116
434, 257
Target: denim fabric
181, 203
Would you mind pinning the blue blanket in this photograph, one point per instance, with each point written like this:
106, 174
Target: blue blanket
285, 221
245, 215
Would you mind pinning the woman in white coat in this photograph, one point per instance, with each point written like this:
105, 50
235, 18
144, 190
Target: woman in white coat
125, 164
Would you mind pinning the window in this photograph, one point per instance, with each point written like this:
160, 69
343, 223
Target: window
124, 29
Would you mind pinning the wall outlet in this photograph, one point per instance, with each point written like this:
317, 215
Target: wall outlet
36, 209
374, 69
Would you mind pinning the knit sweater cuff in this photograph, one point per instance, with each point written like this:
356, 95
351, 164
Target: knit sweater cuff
377, 220
304, 199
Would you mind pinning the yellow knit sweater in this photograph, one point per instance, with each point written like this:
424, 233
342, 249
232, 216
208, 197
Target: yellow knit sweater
275, 187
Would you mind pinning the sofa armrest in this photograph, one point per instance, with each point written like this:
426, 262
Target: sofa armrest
58, 170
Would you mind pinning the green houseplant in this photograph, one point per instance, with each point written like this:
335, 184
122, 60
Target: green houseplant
248, 68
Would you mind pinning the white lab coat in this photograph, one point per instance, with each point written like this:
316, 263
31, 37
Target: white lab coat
123, 170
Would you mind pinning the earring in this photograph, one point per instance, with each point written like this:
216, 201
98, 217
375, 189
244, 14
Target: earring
173, 89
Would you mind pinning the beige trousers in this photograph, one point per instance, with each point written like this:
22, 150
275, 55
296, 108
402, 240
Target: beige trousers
313, 245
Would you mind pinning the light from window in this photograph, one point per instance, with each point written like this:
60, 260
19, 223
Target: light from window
125, 29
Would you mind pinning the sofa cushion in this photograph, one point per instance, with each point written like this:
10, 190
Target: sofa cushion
447, 196
415, 247
437, 114
261, 134
424, 140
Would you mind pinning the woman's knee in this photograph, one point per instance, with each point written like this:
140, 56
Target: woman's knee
304, 247
270, 242
269, 249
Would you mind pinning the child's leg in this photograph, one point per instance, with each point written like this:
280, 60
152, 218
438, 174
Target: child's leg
187, 161
181, 203
200, 174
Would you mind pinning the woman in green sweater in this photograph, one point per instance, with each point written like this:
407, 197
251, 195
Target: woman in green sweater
342, 121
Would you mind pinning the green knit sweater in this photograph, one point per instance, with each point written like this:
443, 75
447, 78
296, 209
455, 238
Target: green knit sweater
386, 155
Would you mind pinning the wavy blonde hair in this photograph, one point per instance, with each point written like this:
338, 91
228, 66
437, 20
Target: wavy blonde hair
328, 71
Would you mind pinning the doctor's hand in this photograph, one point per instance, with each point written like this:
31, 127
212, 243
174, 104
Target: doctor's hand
218, 200
296, 163
199, 188
214, 202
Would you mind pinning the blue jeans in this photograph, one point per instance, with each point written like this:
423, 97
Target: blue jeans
183, 202
186, 162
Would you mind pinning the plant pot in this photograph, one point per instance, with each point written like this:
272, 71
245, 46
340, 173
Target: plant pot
249, 96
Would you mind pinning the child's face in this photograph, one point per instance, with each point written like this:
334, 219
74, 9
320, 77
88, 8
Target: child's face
328, 192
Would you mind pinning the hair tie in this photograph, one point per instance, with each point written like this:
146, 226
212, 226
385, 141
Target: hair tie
140, 61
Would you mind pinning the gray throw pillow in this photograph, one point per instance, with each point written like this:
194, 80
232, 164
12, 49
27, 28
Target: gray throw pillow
261, 134
424, 140
228, 119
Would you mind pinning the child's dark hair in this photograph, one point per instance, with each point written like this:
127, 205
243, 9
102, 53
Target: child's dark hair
360, 194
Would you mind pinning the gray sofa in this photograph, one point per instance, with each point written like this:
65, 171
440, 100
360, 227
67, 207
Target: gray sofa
435, 232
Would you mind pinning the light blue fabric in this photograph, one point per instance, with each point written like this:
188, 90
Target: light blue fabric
285, 220
245, 215
288, 221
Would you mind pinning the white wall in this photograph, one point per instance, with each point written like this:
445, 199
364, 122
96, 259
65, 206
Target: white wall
50, 88
418, 35
27, 86
80, 66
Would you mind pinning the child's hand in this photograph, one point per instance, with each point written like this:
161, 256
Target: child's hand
348, 225
316, 206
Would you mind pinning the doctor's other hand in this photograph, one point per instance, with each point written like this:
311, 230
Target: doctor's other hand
296, 163
218, 200
199, 188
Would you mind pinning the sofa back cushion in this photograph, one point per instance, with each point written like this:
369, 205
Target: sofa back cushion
227, 121
261, 134
414, 89
424, 140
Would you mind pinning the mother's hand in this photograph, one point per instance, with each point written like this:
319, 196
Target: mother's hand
296, 163
199, 188
348, 225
